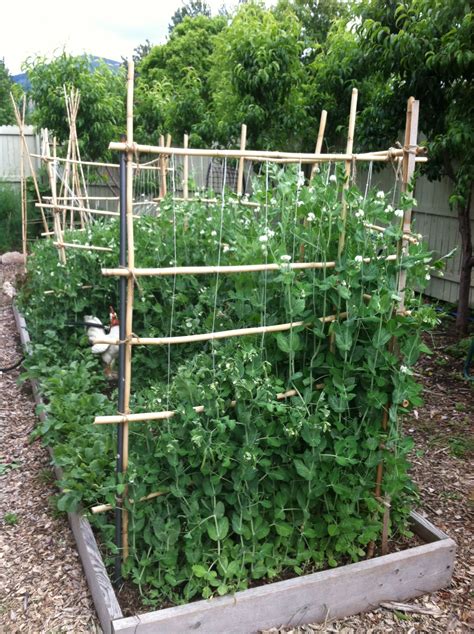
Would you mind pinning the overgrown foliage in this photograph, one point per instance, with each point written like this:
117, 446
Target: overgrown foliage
6, 85
264, 487
102, 110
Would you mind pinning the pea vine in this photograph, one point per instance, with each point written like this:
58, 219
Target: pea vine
255, 486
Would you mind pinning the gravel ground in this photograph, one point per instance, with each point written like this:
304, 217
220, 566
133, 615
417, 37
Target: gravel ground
42, 585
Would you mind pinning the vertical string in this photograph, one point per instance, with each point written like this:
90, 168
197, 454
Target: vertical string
173, 296
368, 183
263, 317
221, 224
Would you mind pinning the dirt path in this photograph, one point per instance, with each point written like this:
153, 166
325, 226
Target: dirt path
42, 585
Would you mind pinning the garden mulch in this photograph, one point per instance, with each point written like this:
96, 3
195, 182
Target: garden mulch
42, 585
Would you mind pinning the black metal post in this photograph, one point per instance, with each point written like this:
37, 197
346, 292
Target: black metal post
121, 378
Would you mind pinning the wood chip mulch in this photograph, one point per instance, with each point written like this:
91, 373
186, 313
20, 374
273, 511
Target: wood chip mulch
42, 584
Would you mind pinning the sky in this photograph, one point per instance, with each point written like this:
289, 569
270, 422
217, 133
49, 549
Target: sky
105, 28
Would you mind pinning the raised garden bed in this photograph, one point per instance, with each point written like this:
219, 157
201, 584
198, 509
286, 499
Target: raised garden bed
329, 594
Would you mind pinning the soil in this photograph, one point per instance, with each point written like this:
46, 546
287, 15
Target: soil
42, 585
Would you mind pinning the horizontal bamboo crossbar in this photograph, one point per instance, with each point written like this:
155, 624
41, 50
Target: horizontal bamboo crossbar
95, 212
102, 508
77, 197
136, 166
406, 236
86, 247
297, 157
222, 334
167, 414
242, 268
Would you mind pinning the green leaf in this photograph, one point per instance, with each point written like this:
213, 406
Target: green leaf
303, 470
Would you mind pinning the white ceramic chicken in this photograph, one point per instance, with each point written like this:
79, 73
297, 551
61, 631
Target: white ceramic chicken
108, 351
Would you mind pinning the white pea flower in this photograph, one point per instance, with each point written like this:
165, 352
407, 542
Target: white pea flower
380, 194
299, 203
202, 232
272, 201
358, 258
209, 218
333, 178
427, 277
310, 217
213, 233
300, 182
359, 213
263, 238
270, 233
285, 258
247, 456
225, 248
405, 370
399, 213
388, 209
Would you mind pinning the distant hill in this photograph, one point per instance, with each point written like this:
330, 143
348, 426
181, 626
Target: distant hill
22, 78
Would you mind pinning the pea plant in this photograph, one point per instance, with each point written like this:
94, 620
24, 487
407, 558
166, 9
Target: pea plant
259, 484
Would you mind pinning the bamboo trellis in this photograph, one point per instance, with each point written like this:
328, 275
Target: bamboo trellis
409, 155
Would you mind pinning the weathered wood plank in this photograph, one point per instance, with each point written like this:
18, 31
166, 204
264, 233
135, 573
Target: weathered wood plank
103, 595
425, 529
313, 598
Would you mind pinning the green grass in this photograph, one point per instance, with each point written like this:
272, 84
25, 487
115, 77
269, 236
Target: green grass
11, 519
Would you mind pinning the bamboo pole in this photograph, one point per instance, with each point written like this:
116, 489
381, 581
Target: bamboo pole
167, 414
240, 175
222, 334
83, 198
143, 166
27, 151
243, 268
348, 168
254, 155
408, 170
56, 220
85, 247
97, 212
411, 134
186, 169
130, 294
102, 508
319, 141
24, 209
406, 236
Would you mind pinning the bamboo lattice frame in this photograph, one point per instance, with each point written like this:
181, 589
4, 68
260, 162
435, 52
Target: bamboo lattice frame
408, 155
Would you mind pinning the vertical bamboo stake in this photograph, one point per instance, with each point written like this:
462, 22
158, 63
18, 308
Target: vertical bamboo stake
23, 187
186, 169
408, 169
130, 294
240, 176
21, 127
58, 234
349, 146
319, 141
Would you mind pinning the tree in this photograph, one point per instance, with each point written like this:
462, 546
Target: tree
256, 77
424, 48
6, 84
190, 9
173, 92
102, 110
